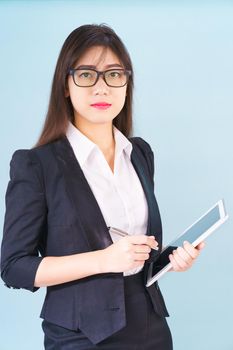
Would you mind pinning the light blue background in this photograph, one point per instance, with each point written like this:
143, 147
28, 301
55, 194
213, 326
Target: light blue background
183, 54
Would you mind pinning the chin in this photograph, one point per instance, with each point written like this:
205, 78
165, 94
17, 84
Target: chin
101, 120
97, 118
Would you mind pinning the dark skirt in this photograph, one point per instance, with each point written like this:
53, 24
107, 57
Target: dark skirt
145, 329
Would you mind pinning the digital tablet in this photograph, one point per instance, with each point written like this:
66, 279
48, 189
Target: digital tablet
194, 234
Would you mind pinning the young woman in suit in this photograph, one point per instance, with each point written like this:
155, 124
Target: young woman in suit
85, 174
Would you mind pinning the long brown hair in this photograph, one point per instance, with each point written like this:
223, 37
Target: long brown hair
60, 109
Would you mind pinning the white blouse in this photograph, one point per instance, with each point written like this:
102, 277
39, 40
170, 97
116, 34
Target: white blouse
120, 195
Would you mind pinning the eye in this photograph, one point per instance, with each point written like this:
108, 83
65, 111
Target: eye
85, 75
115, 74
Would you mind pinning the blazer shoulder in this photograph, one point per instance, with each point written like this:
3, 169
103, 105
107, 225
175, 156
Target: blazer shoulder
40, 154
30, 163
30, 153
145, 149
141, 143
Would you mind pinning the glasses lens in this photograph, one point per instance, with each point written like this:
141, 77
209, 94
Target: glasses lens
85, 77
116, 77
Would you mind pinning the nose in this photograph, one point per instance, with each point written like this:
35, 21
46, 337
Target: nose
101, 86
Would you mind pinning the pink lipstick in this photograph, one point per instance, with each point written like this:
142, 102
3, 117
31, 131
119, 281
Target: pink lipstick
101, 105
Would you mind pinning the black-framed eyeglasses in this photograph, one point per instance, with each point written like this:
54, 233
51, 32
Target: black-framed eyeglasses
89, 77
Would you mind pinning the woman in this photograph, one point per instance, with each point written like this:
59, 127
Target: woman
84, 175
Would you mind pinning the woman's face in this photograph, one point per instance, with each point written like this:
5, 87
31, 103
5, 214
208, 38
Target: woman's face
83, 97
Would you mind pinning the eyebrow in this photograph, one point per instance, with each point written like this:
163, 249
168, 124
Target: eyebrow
94, 67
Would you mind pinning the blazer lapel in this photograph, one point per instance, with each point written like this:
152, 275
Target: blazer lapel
154, 226
88, 210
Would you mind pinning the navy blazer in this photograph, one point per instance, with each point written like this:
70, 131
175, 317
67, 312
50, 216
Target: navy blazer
51, 211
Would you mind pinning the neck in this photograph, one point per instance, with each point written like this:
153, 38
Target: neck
101, 134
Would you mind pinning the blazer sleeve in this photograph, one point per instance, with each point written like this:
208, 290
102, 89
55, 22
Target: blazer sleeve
24, 222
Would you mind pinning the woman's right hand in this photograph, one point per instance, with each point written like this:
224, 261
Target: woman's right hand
128, 253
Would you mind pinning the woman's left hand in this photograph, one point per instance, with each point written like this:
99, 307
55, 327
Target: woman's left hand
183, 258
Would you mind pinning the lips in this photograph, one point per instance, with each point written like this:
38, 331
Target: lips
101, 105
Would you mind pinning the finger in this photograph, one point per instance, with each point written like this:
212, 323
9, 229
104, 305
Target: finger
143, 239
142, 248
193, 252
140, 256
139, 239
200, 246
184, 255
180, 262
175, 266
138, 264
152, 243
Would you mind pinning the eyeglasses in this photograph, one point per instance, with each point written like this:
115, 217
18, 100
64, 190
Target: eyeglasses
89, 77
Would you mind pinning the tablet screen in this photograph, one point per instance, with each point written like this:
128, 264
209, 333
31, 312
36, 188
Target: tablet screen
199, 227
191, 234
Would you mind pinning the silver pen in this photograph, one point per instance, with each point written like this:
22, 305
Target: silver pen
122, 233
117, 231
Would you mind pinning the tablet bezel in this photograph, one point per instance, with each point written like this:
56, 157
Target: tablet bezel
222, 219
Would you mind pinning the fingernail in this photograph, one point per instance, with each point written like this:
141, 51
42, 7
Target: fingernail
156, 248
